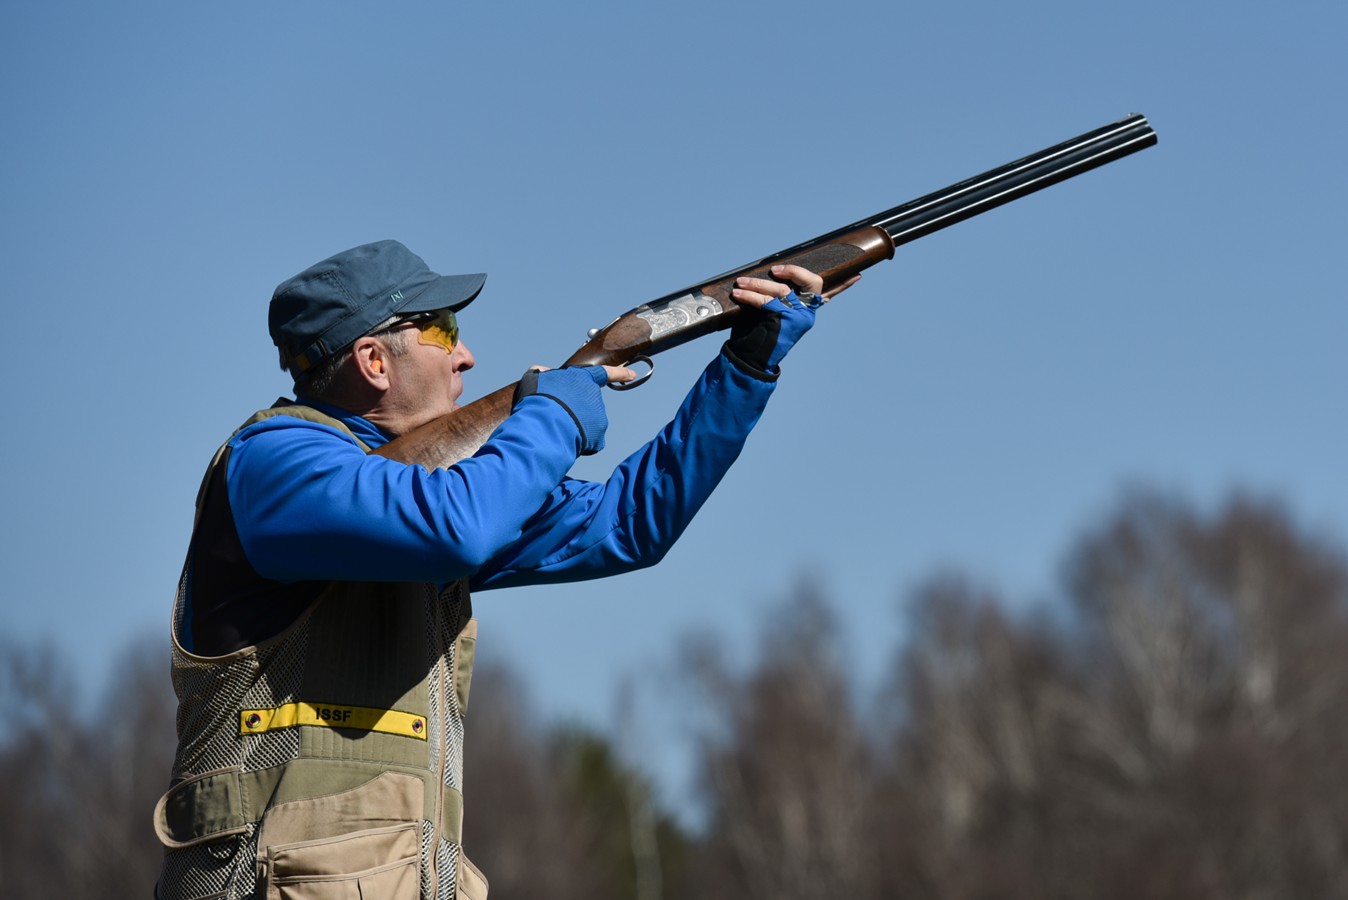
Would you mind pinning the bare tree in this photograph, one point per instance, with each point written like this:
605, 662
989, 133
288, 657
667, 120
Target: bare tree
552, 811
1177, 735
79, 790
515, 830
969, 785
1217, 682
788, 769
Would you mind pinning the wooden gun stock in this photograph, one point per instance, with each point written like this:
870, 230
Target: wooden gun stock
705, 308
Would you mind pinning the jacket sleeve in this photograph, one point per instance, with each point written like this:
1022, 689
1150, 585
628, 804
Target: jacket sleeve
308, 503
590, 529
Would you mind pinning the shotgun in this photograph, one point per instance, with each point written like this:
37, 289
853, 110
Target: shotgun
680, 317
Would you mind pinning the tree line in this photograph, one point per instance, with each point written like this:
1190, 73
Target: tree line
1170, 726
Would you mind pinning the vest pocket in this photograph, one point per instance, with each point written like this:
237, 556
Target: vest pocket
378, 864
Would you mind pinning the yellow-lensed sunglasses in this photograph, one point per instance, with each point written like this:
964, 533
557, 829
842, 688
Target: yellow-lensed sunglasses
438, 328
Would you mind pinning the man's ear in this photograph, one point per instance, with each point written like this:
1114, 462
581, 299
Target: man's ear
372, 362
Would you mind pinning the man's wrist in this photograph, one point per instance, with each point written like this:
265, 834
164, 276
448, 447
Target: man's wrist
753, 371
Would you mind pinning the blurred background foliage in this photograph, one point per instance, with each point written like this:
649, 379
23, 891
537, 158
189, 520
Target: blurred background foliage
1172, 725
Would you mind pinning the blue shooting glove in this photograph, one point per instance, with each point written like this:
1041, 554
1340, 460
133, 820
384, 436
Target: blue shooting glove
579, 391
763, 336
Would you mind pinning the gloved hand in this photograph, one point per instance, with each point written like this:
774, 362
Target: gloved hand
765, 334
579, 391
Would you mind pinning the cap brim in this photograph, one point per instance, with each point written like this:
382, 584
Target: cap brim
447, 291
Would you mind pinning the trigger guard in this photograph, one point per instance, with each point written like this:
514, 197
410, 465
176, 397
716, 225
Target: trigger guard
640, 379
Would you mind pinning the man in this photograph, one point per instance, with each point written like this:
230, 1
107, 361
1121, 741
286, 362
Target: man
323, 635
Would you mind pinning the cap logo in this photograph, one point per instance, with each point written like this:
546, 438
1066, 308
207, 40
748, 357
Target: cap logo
396, 296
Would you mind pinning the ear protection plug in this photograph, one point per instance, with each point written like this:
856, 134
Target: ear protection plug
378, 366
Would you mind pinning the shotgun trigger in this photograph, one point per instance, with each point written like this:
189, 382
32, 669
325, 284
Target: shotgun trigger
640, 379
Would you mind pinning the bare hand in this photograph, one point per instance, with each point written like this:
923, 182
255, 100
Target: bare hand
759, 291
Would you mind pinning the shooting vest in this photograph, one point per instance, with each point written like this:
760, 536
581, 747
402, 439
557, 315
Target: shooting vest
325, 761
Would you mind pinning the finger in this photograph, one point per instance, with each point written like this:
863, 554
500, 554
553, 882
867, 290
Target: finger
799, 276
765, 286
829, 295
620, 374
759, 298
751, 298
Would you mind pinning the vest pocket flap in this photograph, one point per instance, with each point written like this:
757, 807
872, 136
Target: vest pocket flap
204, 808
472, 883
348, 855
389, 799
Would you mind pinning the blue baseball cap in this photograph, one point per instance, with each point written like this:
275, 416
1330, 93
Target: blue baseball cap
322, 310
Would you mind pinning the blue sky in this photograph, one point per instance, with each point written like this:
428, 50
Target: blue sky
1175, 319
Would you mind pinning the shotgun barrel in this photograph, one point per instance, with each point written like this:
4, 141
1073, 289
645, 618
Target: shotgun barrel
941, 209
1012, 181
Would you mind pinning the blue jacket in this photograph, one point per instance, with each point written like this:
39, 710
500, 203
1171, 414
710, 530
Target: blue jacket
308, 504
